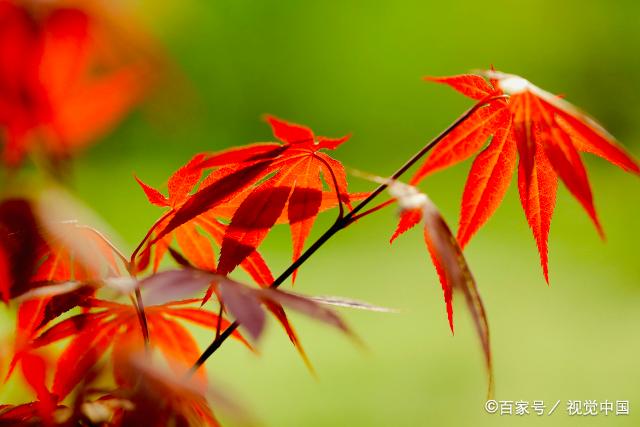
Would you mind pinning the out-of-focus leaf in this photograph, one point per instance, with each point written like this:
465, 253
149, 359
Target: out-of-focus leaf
349, 303
106, 324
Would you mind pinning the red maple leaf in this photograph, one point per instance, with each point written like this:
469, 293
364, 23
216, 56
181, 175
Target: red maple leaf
447, 257
544, 131
40, 256
84, 258
261, 185
51, 97
113, 325
195, 246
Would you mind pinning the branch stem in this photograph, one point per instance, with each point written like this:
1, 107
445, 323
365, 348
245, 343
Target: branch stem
142, 317
146, 237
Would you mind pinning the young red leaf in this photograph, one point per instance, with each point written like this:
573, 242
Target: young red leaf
296, 182
280, 315
211, 196
548, 133
29, 319
409, 218
245, 304
252, 222
68, 327
290, 133
447, 257
184, 180
154, 196
80, 356
488, 181
287, 176
253, 264
176, 343
303, 206
589, 137
463, 141
195, 247
34, 370
538, 199
108, 324
475, 87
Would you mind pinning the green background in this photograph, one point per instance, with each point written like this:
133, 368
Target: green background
356, 67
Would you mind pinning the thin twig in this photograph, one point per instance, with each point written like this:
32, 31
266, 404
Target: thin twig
335, 185
146, 237
137, 302
372, 210
108, 242
219, 321
143, 318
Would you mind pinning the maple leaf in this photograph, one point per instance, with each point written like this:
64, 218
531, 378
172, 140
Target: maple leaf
50, 266
34, 370
296, 185
67, 273
106, 324
543, 131
51, 97
194, 245
244, 303
259, 184
447, 257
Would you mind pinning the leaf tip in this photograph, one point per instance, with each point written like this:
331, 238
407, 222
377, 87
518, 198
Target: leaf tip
153, 195
600, 230
462, 237
269, 118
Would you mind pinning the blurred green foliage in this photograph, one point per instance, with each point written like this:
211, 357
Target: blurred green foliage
356, 66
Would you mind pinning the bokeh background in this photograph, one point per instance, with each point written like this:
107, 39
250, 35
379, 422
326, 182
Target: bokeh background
355, 67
